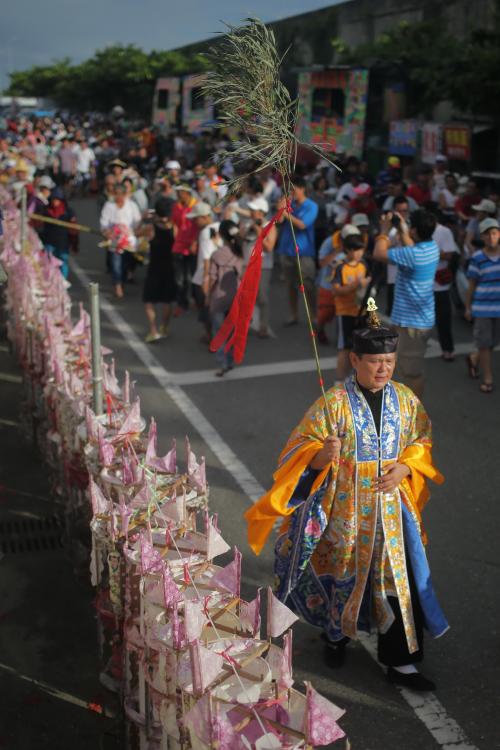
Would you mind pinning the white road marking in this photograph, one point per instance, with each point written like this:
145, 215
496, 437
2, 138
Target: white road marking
10, 378
195, 417
428, 709
198, 377
4, 348
67, 697
8, 423
292, 367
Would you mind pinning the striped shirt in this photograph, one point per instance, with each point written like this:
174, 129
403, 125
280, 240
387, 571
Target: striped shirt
484, 269
413, 294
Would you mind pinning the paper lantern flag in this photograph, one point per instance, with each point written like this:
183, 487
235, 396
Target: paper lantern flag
321, 719
279, 616
176, 640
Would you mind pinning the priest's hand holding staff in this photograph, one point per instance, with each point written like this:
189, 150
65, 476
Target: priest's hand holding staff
329, 453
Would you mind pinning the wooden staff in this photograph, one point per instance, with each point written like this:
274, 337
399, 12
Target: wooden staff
67, 224
84, 228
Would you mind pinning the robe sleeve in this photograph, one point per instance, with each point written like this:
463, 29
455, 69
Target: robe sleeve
417, 455
291, 478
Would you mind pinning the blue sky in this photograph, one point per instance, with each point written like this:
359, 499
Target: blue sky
35, 32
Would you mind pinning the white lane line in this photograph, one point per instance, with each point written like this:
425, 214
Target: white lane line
197, 419
429, 710
198, 377
292, 367
67, 697
445, 730
10, 378
8, 423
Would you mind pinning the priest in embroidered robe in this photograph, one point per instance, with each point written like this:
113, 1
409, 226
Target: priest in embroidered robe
350, 555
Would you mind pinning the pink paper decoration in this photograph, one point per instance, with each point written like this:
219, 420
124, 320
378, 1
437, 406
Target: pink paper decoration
83, 325
91, 424
171, 593
279, 616
206, 666
168, 463
191, 461
151, 560
250, 615
229, 578
125, 514
133, 422
152, 442
106, 450
215, 543
321, 718
110, 381
199, 719
100, 505
194, 619
126, 388
178, 629
199, 476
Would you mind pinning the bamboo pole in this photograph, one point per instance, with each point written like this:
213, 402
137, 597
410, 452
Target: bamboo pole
312, 332
66, 224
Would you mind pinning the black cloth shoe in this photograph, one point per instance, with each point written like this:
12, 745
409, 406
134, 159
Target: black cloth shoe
414, 681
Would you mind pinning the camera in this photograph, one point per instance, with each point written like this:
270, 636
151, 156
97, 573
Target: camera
258, 222
396, 221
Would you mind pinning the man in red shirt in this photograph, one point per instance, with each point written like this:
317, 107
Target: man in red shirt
185, 245
465, 203
421, 189
363, 203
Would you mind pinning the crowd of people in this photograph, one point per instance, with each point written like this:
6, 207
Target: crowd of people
425, 235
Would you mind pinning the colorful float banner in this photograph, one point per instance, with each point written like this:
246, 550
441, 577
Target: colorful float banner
431, 141
197, 110
456, 142
332, 109
403, 137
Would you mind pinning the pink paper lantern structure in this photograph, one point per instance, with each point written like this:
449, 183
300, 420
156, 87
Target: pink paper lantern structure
176, 640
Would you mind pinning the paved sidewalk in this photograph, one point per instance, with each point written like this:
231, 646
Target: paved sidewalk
48, 644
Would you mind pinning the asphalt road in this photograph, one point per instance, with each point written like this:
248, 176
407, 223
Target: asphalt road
253, 411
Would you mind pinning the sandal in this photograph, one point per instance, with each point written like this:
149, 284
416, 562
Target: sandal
486, 387
473, 368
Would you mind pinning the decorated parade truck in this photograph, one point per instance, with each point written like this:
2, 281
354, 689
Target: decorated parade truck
332, 106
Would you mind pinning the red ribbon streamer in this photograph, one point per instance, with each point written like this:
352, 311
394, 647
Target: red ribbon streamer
234, 330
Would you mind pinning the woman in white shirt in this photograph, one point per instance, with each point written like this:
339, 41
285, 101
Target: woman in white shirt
120, 220
448, 196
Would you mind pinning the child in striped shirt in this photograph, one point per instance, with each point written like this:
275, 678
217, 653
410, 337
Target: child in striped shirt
483, 301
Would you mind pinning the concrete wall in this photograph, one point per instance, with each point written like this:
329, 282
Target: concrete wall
361, 21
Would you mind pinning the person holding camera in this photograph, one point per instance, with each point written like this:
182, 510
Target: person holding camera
259, 209
413, 311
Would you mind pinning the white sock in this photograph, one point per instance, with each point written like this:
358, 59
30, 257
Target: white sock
407, 669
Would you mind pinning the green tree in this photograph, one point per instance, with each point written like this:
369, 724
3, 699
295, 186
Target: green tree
475, 86
119, 74
421, 55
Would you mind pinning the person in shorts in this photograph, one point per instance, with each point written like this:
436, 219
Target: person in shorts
350, 281
483, 301
331, 253
413, 312
302, 216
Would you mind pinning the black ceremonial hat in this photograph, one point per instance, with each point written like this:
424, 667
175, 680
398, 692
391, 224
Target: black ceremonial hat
374, 338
